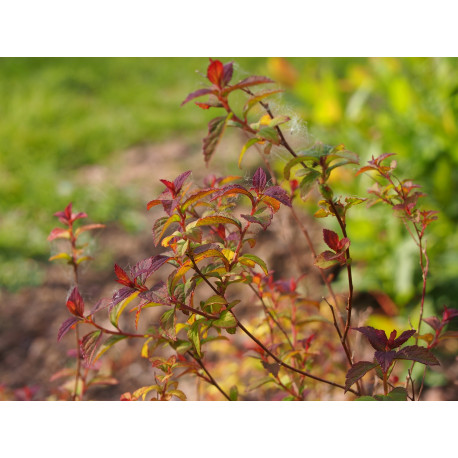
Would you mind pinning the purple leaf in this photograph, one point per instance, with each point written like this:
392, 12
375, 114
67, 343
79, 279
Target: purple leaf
66, 326
264, 221
247, 82
170, 205
449, 314
272, 368
205, 247
228, 69
357, 371
216, 129
179, 181
89, 344
279, 194
433, 322
197, 93
419, 354
158, 294
385, 358
100, 305
259, 180
376, 337
144, 269
120, 295
404, 337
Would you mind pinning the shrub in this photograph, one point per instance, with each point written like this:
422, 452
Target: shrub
287, 344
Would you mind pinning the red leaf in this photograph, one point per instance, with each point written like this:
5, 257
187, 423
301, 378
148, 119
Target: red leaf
153, 203
66, 215
204, 106
88, 227
66, 326
331, 239
75, 303
215, 72
376, 337
169, 185
59, 233
344, 244
122, 276
449, 314
179, 181
198, 93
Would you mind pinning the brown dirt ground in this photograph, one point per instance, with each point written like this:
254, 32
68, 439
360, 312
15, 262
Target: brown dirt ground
30, 318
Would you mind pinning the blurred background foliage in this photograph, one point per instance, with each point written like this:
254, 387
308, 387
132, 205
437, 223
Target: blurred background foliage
59, 115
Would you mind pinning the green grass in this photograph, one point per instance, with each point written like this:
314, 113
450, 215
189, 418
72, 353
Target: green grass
59, 115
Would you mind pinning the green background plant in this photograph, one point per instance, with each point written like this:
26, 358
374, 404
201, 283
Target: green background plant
59, 115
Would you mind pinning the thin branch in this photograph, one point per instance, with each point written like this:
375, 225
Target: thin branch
204, 278
213, 381
279, 361
271, 316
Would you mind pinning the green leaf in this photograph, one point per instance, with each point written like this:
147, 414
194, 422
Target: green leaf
178, 393
365, 398
214, 304
234, 393
182, 346
116, 311
308, 181
270, 134
252, 101
247, 145
196, 197
279, 120
225, 320
112, 340
168, 321
325, 260
193, 334
249, 259
398, 394
309, 159
65, 256
212, 253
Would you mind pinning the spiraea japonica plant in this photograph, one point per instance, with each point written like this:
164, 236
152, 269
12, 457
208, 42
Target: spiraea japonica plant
211, 300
